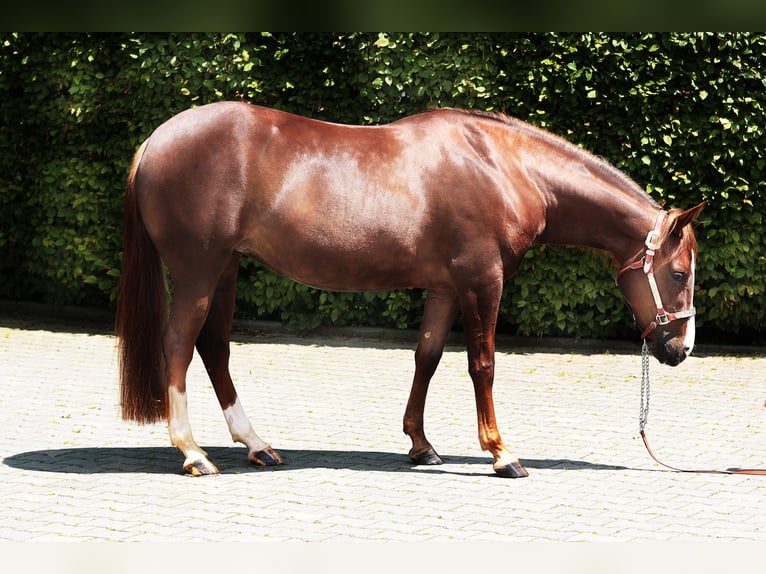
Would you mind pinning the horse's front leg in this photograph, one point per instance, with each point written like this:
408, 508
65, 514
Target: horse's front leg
480, 308
438, 317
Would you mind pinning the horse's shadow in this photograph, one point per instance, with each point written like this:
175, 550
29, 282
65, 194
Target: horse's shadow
233, 460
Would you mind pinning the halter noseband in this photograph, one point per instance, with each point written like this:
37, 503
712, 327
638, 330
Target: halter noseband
647, 264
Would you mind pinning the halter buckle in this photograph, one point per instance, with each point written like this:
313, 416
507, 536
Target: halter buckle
653, 237
664, 318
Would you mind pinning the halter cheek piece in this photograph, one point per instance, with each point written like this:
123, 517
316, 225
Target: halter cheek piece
647, 264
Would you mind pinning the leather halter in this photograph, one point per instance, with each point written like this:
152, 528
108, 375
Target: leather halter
646, 263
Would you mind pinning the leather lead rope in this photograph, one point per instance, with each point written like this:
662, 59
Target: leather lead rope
644, 417
756, 471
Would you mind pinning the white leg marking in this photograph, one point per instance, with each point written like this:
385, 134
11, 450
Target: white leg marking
689, 337
241, 429
505, 458
179, 427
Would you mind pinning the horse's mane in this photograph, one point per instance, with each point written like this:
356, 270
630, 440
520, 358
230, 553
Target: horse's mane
606, 169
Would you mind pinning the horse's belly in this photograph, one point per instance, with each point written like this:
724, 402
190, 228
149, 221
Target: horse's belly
366, 264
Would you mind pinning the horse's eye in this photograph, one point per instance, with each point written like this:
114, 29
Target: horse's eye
679, 276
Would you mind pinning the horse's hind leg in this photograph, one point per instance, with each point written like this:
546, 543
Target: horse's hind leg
213, 347
191, 302
438, 317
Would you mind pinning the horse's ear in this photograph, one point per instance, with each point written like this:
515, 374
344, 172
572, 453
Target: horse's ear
686, 217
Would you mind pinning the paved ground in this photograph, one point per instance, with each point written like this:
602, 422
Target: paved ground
72, 470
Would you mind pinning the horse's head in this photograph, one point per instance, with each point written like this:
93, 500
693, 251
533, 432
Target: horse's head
659, 286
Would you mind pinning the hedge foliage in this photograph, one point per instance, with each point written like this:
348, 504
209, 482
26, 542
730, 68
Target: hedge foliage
683, 114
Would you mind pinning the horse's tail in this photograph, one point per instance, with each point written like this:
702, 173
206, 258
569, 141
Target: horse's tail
142, 310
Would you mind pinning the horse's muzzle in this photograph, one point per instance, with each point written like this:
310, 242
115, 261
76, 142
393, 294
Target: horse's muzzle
671, 353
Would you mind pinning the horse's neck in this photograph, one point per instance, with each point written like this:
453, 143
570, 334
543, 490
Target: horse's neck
591, 212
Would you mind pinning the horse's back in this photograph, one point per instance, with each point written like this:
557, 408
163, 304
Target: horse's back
330, 205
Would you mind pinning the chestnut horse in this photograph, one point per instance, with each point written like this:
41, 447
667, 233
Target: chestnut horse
445, 200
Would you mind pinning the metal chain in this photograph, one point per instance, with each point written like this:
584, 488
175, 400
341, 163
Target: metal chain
643, 414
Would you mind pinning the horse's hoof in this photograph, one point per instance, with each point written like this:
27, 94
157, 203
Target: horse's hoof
512, 470
200, 468
266, 457
428, 457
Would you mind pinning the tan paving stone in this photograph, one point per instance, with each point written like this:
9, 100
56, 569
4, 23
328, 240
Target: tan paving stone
73, 470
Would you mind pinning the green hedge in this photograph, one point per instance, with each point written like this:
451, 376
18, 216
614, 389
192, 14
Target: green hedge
680, 113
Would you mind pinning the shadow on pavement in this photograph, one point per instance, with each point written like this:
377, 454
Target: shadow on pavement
233, 460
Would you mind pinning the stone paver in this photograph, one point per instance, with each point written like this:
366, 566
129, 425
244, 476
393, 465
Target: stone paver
73, 470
